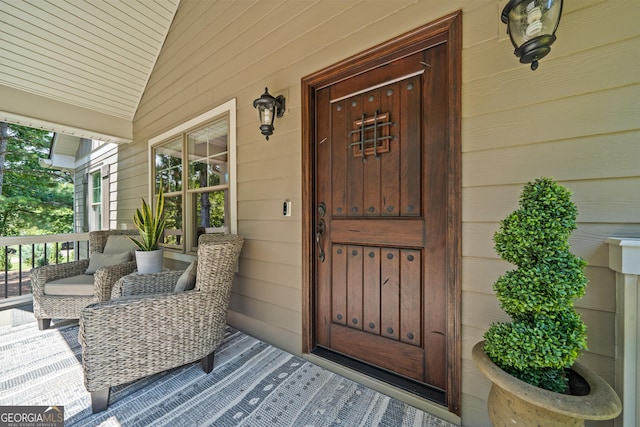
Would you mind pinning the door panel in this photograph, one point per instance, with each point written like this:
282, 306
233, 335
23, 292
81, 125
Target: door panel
380, 288
409, 232
381, 186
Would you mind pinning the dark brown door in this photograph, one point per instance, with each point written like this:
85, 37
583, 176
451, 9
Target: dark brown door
385, 201
383, 183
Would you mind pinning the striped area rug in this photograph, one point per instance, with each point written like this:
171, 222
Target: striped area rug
252, 384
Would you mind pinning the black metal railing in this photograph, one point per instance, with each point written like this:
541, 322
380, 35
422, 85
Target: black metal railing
19, 255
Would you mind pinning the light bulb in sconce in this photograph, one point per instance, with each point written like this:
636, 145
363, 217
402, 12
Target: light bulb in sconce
267, 116
534, 15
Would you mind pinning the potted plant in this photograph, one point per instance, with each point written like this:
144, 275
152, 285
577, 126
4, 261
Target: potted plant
531, 360
151, 227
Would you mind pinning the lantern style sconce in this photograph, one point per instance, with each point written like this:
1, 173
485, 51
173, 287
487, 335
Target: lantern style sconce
531, 25
268, 109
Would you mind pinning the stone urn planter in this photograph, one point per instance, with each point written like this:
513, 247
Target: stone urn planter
531, 359
513, 402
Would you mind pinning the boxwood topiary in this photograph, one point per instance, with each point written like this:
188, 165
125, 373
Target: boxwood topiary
546, 334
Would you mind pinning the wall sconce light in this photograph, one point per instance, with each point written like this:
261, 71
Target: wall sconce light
531, 25
268, 109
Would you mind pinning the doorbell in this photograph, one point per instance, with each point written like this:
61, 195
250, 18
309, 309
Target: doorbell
286, 208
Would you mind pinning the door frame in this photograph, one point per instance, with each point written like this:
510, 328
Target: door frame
447, 29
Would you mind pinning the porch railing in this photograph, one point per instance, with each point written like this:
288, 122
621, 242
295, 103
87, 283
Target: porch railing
19, 255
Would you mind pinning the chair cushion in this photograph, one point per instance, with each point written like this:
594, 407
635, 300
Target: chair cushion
187, 281
80, 285
119, 243
98, 260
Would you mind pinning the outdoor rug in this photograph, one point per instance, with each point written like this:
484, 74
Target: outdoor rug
252, 384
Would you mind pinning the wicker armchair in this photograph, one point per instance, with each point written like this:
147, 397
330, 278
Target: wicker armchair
46, 307
134, 336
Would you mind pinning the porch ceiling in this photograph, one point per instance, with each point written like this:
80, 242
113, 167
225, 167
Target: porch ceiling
94, 55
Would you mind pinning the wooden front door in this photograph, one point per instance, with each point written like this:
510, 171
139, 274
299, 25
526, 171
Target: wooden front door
383, 231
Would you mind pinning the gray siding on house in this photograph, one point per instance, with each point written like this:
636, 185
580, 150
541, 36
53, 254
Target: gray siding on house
575, 119
89, 160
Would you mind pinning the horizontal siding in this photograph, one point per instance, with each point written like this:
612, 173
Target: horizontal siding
615, 199
584, 26
275, 294
271, 252
493, 89
589, 157
279, 167
261, 190
268, 272
495, 93
587, 241
279, 317
586, 113
574, 119
479, 275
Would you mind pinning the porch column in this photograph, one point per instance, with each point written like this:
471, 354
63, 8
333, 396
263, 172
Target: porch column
624, 259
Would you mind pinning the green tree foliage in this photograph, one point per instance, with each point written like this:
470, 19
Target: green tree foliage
33, 200
546, 334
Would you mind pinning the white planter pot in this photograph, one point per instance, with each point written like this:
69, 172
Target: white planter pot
149, 261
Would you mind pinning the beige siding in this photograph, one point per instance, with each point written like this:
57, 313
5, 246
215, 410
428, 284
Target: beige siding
574, 119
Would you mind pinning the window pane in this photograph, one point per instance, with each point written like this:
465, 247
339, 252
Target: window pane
95, 222
208, 162
95, 187
173, 220
208, 172
169, 166
209, 208
95, 194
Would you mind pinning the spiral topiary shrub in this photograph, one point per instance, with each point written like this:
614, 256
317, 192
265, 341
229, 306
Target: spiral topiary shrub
546, 334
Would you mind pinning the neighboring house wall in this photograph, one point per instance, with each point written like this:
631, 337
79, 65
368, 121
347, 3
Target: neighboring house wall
91, 158
574, 119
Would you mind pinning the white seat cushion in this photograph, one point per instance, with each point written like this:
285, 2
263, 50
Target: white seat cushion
80, 285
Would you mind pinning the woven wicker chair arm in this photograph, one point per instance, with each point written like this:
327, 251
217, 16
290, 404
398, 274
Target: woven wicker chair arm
105, 277
146, 284
47, 273
131, 337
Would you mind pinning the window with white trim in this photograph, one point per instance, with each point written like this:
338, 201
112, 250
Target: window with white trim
195, 165
95, 201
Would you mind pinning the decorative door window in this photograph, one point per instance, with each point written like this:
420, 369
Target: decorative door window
371, 135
